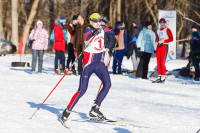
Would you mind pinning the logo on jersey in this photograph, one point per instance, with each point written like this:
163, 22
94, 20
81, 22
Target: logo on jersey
101, 45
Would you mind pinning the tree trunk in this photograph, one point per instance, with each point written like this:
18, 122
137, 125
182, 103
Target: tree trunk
15, 39
29, 22
118, 10
1, 22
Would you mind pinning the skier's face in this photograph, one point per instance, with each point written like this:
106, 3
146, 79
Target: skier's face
39, 26
96, 24
194, 29
162, 25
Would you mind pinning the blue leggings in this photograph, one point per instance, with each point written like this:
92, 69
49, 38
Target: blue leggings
97, 67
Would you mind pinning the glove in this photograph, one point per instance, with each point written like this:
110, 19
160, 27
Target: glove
154, 51
121, 26
97, 31
138, 49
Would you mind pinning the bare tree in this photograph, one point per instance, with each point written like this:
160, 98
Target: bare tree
15, 40
1, 21
29, 22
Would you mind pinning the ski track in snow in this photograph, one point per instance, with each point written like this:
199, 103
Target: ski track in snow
172, 107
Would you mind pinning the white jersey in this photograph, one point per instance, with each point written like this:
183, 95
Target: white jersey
162, 34
97, 44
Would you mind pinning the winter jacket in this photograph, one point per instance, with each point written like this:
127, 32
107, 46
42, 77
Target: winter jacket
59, 36
42, 42
79, 36
132, 38
146, 41
195, 42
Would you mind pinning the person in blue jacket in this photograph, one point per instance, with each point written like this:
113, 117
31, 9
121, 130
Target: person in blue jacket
119, 54
195, 50
146, 46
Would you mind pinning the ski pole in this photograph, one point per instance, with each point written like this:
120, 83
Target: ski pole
108, 63
62, 78
191, 50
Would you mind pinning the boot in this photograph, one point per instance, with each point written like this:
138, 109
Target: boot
158, 79
95, 114
65, 114
57, 72
162, 80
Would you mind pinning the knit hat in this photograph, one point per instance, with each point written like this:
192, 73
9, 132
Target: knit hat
195, 26
147, 24
136, 21
94, 16
39, 22
62, 20
75, 17
162, 20
104, 19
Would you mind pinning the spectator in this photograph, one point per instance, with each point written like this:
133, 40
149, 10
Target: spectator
146, 46
40, 43
132, 48
195, 50
79, 44
71, 28
59, 37
109, 41
119, 54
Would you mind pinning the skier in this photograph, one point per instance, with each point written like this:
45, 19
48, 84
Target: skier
93, 63
163, 37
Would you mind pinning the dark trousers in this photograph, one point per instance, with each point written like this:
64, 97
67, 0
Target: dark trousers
142, 69
117, 60
37, 54
71, 56
80, 60
195, 61
60, 56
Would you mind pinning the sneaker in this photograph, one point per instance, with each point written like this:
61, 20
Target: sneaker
95, 114
65, 114
33, 72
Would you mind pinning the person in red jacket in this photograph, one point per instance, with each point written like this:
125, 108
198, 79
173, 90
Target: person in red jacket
163, 37
59, 37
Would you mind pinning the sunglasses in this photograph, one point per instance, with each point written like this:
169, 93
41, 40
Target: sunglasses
161, 21
96, 20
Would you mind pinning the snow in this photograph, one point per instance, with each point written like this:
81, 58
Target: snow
172, 107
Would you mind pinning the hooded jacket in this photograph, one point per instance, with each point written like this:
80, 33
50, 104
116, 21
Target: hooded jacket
59, 36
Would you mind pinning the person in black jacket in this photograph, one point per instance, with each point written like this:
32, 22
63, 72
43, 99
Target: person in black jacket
132, 50
195, 50
109, 41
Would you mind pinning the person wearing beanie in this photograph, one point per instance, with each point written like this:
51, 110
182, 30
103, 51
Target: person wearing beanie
109, 41
79, 44
92, 61
59, 38
195, 50
163, 38
146, 46
132, 50
39, 37
71, 29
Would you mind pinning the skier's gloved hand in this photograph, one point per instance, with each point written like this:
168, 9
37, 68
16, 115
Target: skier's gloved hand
97, 31
121, 26
138, 49
154, 51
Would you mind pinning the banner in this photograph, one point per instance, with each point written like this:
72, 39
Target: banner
170, 17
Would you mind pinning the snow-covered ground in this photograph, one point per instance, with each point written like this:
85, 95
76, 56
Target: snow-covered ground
172, 107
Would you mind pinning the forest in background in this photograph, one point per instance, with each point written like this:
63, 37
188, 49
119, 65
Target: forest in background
18, 17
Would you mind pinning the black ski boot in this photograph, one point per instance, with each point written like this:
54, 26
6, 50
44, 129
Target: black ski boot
157, 80
65, 115
95, 114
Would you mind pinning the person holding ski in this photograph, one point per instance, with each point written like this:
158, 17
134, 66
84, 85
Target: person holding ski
93, 63
163, 38
195, 50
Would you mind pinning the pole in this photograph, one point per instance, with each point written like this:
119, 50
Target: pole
61, 78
